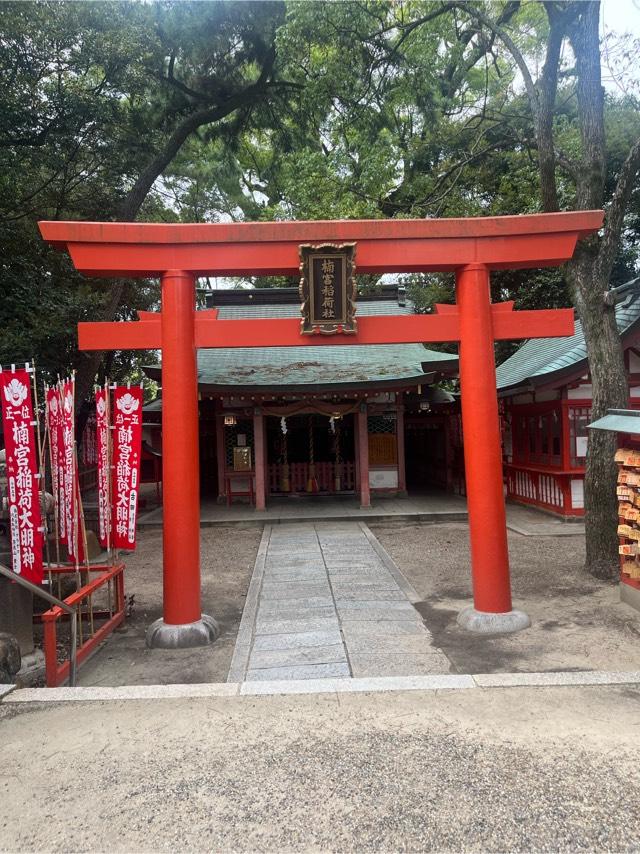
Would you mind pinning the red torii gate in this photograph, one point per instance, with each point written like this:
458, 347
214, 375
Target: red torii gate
179, 253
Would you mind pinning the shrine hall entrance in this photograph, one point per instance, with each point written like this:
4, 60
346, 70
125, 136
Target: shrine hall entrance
310, 454
434, 452
426, 447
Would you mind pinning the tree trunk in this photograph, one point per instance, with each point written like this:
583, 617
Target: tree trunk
609, 390
588, 276
589, 271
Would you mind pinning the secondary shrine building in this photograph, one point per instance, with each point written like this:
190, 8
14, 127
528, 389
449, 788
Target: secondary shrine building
545, 394
359, 420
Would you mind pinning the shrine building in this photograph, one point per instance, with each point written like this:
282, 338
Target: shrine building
545, 394
362, 420
414, 440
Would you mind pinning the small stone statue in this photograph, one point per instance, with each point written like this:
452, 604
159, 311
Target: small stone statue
10, 659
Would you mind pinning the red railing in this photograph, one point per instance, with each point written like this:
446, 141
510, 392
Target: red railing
325, 474
94, 623
550, 490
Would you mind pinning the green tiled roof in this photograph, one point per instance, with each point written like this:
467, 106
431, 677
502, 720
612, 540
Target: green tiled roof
618, 421
296, 367
540, 358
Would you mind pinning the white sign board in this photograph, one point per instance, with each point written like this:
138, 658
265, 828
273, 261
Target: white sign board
383, 478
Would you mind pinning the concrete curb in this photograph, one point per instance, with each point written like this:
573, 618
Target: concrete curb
242, 648
404, 585
560, 532
442, 682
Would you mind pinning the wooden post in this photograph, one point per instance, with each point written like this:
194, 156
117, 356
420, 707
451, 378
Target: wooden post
183, 624
363, 456
356, 453
258, 452
221, 457
402, 476
181, 475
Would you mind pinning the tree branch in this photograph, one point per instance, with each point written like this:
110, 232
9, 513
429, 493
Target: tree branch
180, 86
509, 43
615, 215
158, 164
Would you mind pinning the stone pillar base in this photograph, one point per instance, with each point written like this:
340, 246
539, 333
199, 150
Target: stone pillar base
161, 635
486, 623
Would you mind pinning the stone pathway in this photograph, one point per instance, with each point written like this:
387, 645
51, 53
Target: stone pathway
326, 600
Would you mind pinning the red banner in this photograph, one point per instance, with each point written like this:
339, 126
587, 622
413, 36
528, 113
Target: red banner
102, 443
62, 515
127, 447
22, 475
54, 427
70, 507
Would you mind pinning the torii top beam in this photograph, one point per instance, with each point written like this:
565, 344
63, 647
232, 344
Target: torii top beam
271, 248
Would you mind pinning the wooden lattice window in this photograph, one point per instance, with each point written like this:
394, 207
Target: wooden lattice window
579, 418
383, 442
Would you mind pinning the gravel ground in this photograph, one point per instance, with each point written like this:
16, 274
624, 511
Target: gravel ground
578, 622
494, 770
227, 559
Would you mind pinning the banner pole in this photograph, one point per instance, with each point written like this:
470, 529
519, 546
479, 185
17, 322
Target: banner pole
54, 462
107, 397
42, 470
74, 497
83, 528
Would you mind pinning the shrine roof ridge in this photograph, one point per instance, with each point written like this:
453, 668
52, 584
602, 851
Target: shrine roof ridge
542, 361
291, 296
60, 233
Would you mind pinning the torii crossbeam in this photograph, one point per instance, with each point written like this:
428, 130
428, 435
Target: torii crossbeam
179, 253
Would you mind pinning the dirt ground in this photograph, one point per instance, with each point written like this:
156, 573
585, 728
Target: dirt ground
578, 622
227, 556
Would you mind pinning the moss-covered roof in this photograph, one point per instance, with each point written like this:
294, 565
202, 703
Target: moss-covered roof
300, 368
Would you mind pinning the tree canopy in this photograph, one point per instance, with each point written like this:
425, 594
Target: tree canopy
269, 110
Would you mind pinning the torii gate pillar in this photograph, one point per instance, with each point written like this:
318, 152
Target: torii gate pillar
492, 610
182, 624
